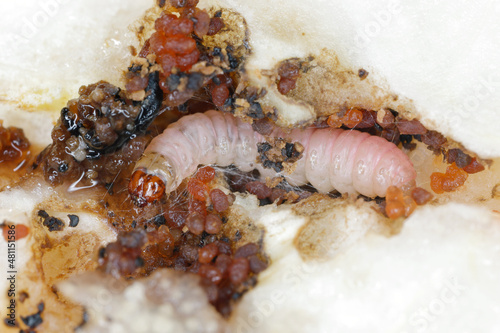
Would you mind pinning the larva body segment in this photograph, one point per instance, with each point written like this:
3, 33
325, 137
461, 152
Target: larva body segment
299, 176
318, 162
343, 160
346, 160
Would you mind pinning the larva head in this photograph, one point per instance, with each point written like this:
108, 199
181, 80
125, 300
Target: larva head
145, 188
405, 175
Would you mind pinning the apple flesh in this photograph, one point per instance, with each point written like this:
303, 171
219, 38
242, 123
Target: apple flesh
440, 58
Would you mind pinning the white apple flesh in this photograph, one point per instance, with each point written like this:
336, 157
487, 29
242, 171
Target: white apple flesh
439, 274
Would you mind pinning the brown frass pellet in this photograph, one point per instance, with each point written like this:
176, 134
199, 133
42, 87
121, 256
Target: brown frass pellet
42, 214
73, 220
362, 73
460, 158
53, 223
23, 296
34, 320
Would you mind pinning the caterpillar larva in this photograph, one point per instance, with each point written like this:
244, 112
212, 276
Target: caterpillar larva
346, 160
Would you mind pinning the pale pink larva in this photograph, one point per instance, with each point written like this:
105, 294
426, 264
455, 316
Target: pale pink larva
346, 160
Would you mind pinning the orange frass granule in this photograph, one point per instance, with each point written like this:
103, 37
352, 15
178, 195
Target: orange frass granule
352, 118
206, 174
398, 203
197, 189
145, 188
473, 167
449, 181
